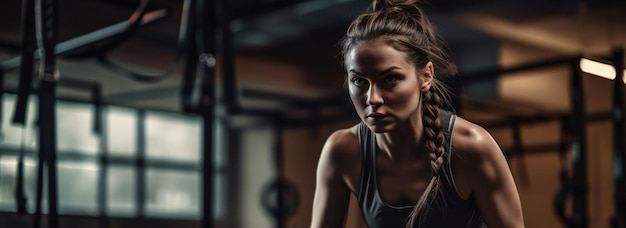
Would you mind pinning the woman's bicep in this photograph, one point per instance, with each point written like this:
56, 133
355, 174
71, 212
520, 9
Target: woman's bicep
330, 205
495, 191
332, 196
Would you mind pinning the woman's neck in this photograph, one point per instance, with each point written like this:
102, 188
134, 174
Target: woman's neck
403, 143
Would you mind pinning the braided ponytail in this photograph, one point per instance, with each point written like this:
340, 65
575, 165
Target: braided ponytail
435, 140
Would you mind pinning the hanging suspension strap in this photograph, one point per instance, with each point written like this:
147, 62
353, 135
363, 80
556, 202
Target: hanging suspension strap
20, 195
29, 44
46, 30
140, 17
565, 189
191, 59
518, 150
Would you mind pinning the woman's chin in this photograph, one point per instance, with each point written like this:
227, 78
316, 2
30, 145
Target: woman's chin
381, 128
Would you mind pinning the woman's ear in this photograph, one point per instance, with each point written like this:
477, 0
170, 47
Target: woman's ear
427, 77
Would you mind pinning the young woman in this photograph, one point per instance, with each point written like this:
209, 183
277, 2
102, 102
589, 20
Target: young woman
410, 163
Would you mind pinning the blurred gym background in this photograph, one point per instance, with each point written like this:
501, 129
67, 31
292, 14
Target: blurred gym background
213, 113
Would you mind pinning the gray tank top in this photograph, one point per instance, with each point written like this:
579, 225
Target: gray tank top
449, 209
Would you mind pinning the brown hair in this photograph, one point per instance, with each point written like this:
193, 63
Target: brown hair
402, 25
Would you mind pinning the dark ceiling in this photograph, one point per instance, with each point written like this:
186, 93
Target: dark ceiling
301, 33
283, 25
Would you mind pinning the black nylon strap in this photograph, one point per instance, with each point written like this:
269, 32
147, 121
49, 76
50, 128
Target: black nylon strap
29, 44
48, 16
20, 195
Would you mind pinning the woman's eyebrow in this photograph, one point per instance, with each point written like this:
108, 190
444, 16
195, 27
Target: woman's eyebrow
356, 72
389, 70
381, 73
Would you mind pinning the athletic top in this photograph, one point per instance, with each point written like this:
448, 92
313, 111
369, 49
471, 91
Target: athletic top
449, 209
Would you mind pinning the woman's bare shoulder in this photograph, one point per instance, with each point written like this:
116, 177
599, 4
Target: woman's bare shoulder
343, 144
339, 157
473, 141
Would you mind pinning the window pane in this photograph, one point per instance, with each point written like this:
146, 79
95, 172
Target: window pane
8, 172
78, 187
219, 194
8, 177
121, 129
12, 134
173, 137
173, 194
75, 128
121, 187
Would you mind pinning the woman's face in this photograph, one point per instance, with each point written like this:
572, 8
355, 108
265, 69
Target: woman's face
384, 86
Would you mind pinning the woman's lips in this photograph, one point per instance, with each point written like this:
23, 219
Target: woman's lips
376, 115
377, 118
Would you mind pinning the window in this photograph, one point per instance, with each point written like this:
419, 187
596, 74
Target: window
121, 131
141, 157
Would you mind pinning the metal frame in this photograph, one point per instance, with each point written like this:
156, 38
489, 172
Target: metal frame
576, 184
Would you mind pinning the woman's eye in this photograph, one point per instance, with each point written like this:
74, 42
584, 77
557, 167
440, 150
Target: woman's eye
390, 79
358, 81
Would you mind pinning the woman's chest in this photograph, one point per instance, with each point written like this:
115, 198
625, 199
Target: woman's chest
401, 185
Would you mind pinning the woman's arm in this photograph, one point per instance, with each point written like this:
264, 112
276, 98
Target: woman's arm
493, 186
332, 195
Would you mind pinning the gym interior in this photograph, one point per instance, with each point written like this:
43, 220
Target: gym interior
213, 113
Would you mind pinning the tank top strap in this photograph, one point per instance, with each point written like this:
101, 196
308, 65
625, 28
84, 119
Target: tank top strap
367, 141
448, 119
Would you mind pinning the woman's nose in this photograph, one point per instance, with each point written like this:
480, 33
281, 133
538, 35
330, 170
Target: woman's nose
373, 96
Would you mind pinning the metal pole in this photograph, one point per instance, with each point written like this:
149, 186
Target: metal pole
579, 174
278, 153
207, 111
619, 219
207, 45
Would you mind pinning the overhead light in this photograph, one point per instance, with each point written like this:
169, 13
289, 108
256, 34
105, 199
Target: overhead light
598, 69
